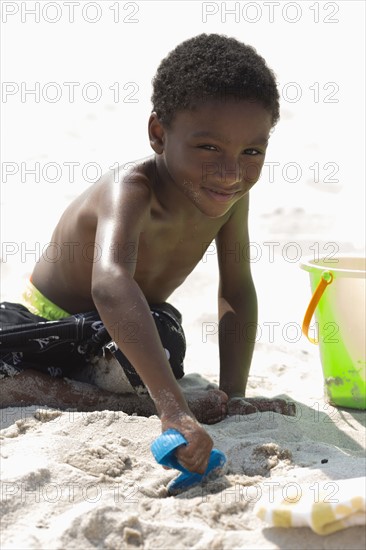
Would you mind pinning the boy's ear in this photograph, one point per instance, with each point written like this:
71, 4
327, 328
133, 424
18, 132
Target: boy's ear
156, 134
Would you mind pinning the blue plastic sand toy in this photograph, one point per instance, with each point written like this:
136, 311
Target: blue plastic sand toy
163, 449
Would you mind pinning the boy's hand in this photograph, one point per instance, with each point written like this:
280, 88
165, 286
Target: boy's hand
239, 405
250, 405
195, 455
208, 406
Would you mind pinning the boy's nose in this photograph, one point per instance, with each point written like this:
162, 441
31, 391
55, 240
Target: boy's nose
222, 174
236, 172
230, 173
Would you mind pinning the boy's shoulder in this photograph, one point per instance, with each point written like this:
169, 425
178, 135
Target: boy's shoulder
137, 171
132, 172
126, 184
127, 195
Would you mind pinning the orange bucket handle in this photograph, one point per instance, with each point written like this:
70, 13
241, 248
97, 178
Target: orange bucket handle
326, 279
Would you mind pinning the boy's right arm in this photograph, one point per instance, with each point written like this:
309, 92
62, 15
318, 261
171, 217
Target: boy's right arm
122, 304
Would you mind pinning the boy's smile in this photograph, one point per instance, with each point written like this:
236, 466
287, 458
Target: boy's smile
211, 155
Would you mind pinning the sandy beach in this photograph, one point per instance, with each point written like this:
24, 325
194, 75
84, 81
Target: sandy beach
88, 480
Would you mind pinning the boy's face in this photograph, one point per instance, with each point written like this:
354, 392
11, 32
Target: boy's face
214, 154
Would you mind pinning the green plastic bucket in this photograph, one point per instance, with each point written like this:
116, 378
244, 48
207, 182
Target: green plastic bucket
338, 285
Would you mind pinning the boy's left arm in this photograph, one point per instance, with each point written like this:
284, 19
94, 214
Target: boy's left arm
238, 316
237, 302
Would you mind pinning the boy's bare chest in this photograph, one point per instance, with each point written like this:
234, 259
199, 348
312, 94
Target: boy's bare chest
172, 244
168, 252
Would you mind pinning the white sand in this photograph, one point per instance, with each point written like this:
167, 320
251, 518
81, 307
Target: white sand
88, 480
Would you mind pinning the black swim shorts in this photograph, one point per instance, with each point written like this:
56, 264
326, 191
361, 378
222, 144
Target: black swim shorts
59, 348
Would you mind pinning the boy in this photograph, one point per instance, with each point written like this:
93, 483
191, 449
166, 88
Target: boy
214, 104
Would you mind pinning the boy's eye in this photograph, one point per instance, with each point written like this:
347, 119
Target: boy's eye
253, 152
250, 151
208, 147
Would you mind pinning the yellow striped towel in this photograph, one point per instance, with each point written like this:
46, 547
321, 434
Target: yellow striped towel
324, 506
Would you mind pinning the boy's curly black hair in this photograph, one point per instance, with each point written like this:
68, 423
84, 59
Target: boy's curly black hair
212, 66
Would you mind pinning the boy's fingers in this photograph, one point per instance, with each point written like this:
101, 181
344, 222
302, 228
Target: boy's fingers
281, 406
194, 465
218, 409
215, 418
194, 457
241, 406
250, 405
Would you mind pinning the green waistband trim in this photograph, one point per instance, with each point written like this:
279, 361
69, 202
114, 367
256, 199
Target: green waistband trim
38, 304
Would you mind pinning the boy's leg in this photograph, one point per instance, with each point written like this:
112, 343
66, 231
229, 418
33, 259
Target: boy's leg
30, 378
31, 387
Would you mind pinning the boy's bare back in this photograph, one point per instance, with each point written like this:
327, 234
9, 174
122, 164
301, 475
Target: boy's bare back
161, 247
